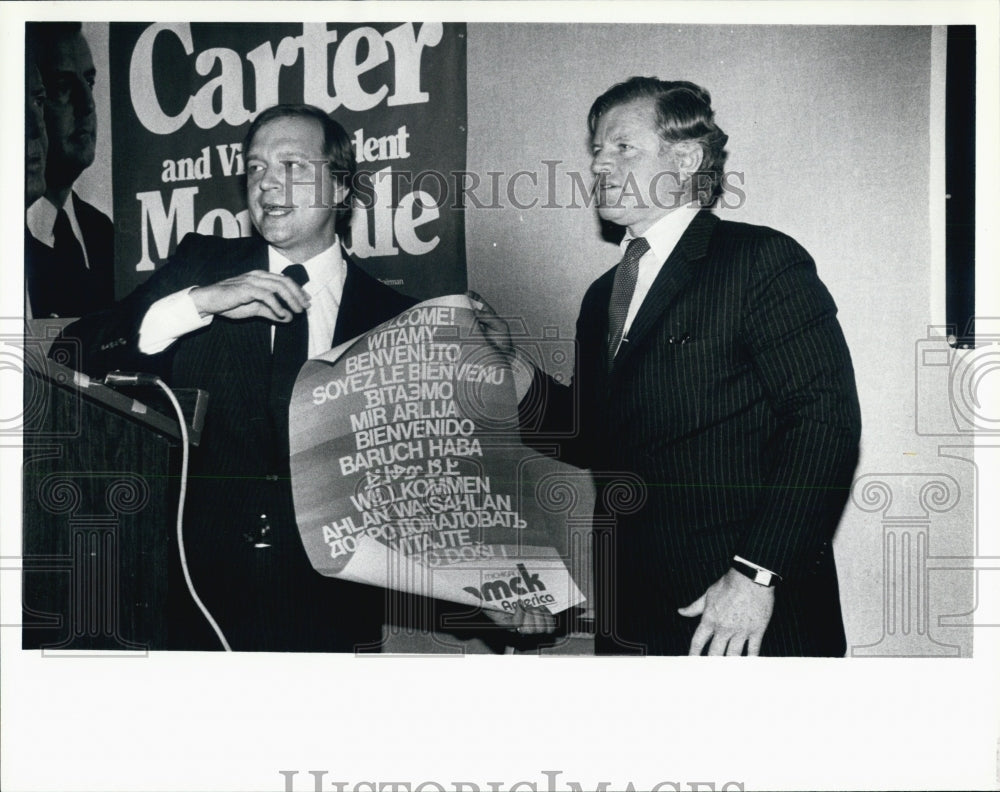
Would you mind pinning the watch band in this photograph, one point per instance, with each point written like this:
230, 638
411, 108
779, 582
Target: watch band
762, 577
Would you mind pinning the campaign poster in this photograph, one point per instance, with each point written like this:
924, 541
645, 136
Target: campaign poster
184, 94
408, 471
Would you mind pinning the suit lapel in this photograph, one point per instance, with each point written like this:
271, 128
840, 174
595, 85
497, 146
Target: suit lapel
354, 316
350, 302
602, 298
680, 267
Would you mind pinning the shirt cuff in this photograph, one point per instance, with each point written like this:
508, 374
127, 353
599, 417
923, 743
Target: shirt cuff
168, 319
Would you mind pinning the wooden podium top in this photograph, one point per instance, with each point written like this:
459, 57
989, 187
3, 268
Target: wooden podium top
149, 405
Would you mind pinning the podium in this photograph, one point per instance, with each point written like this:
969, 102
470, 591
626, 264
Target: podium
99, 486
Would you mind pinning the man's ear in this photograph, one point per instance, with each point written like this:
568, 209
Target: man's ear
341, 192
689, 156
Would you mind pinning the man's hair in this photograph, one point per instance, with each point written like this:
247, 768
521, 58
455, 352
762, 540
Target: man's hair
336, 145
33, 41
43, 36
683, 112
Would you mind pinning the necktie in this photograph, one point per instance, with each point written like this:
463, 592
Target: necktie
67, 289
621, 293
67, 247
291, 349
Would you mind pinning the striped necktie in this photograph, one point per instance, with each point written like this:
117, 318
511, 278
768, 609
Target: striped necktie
621, 293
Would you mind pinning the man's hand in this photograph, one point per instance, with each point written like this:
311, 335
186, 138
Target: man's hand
495, 329
254, 293
734, 611
497, 334
527, 621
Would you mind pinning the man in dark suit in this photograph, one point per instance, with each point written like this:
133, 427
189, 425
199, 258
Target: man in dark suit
712, 367
69, 258
237, 317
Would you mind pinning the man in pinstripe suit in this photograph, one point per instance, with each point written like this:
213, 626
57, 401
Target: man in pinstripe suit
711, 368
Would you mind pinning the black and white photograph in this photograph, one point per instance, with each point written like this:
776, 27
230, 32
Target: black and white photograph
501, 396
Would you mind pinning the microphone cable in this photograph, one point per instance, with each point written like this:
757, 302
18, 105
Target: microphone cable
129, 378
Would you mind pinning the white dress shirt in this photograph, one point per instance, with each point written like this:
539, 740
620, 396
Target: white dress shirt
41, 221
662, 237
175, 315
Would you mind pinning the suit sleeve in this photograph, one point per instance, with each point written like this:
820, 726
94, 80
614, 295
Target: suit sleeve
798, 350
107, 340
552, 415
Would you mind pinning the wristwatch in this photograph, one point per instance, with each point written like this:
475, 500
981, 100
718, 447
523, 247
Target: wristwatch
759, 575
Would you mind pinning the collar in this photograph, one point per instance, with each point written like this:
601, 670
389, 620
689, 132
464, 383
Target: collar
665, 233
323, 268
41, 218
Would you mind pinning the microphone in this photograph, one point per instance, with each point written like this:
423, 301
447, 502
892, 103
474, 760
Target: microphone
130, 378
